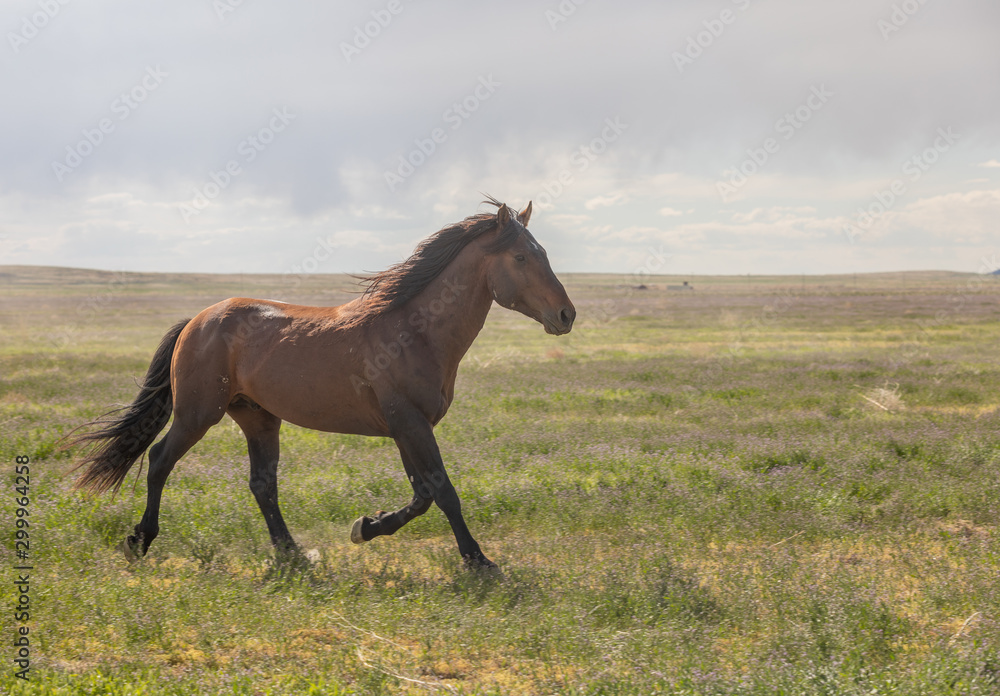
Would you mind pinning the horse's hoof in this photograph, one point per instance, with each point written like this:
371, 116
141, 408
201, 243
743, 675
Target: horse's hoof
356, 536
481, 563
130, 547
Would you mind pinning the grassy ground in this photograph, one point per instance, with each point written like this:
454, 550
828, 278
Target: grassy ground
763, 486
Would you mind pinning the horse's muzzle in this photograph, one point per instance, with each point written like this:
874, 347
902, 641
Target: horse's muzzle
560, 322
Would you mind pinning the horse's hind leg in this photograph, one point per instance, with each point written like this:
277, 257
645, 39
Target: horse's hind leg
261, 430
162, 457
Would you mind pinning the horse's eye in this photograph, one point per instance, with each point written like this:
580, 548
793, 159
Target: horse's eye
519, 258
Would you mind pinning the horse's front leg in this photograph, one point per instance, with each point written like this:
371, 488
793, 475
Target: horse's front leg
385, 523
419, 450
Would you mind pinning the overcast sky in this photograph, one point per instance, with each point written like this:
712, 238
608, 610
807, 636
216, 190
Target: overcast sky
723, 136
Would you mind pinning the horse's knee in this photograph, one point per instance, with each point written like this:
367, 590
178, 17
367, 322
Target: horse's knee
420, 504
262, 488
433, 489
447, 499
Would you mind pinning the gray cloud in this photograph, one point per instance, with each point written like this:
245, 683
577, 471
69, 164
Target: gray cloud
217, 81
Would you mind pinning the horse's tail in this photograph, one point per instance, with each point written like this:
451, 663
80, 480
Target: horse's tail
124, 435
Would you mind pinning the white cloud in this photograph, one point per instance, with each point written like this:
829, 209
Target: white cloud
774, 214
616, 198
962, 218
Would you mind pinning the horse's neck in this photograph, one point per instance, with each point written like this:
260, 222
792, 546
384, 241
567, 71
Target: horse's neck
453, 308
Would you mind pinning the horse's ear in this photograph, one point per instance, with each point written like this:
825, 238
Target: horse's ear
503, 216
525, 215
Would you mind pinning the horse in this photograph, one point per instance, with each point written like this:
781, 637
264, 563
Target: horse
383, 365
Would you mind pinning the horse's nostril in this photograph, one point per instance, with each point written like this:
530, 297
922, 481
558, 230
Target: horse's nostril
566, 316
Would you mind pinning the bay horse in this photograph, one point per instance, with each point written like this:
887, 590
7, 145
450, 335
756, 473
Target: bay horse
383, 364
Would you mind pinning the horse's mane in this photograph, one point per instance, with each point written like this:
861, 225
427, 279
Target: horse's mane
403, 281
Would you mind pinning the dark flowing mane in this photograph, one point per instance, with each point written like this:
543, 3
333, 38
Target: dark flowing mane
403, 281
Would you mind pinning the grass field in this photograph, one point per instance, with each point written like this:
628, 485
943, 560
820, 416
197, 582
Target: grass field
764, 486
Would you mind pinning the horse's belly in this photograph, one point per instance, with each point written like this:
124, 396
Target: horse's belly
324, 412
320, 394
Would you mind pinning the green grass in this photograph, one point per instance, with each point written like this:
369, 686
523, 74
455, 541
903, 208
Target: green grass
764, 486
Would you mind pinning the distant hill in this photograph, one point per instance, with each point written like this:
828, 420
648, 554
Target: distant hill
101, 286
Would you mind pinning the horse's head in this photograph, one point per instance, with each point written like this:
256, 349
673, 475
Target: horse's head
520, 277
